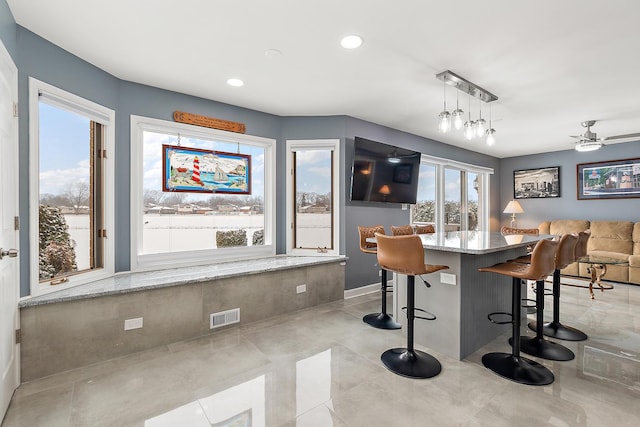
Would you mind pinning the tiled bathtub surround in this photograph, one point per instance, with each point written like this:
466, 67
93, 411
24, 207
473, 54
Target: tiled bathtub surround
321, 367
80, 326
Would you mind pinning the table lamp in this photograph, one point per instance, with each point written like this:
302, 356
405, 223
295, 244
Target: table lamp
513, 207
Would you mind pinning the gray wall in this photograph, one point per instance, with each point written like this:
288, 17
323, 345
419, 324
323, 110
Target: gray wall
41, 59
567, 206
8, 29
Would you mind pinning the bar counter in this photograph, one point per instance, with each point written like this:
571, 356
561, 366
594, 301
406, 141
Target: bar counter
462, 307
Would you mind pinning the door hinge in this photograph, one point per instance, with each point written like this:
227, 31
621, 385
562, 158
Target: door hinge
18, 336
15, 109
16, 223
103, 154
102, 233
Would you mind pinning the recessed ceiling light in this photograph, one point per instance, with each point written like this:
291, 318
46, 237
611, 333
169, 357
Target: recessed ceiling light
351, 42
235, 82
272, 53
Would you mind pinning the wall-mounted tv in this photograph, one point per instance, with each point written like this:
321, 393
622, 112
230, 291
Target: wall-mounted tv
384, 173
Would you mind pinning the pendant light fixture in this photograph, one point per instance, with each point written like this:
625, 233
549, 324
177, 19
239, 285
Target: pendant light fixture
445, 116
471, 129
491, 139
480, 124
468, 125
458, 114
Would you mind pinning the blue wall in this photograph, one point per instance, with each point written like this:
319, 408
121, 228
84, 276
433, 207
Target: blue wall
41, 59
567, 206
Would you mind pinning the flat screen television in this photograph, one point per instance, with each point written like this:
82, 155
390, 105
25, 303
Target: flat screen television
384, 173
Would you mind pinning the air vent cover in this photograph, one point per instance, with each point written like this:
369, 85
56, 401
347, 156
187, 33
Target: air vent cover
224, 318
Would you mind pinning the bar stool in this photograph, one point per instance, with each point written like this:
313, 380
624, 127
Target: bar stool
555, 329
513, 366
538, 345
405, 255
401, 230
425, 229
508, 231
380, 320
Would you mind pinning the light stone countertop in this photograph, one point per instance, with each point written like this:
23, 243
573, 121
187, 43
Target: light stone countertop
132, 282
475, 242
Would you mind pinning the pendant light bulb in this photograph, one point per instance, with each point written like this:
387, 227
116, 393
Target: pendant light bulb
445, 117
458, 119
491, 139
480, 124
468, 125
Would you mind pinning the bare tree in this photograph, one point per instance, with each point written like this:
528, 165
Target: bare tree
152, 196
78, 194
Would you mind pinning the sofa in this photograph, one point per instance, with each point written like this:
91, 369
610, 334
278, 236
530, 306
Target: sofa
613, 239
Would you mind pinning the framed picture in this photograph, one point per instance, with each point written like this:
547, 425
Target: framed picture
205, 171
402, 174
536, 183
613, 179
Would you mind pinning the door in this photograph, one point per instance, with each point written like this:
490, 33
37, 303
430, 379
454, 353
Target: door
9, 268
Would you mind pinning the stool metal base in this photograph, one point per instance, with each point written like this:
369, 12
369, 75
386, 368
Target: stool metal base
411, 364
518, 369
544, 349
381, 321
560, 331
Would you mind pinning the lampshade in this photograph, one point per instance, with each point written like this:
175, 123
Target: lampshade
513, 207
385, 190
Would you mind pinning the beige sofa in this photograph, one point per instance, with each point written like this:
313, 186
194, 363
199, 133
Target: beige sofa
613, 239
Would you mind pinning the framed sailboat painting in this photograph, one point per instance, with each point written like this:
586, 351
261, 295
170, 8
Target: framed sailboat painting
205, 171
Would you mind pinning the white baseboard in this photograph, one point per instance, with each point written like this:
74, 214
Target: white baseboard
362, 290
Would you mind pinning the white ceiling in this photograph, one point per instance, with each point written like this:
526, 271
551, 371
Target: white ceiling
553, 64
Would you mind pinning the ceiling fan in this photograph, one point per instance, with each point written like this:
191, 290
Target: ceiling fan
589, 140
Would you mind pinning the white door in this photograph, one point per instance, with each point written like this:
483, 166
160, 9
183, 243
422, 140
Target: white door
9, 269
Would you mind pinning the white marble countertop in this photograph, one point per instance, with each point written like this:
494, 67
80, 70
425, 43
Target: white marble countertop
476, 242
132, 282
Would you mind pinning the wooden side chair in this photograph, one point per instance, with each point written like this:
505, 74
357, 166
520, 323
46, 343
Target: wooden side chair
425, 229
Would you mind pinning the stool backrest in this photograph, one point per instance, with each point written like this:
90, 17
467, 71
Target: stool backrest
527, 231
581, 245
366, 233
401, 254
425, 229
401, 230
566, 252
543, 259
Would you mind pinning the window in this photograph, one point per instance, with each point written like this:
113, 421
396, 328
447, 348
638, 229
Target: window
71, 188
199, 195
452, 195
312, 196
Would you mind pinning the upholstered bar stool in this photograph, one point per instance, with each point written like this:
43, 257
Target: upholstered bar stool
513, 366
401, 230
555, 329
380, 320
508, 231
538, 345
405, 255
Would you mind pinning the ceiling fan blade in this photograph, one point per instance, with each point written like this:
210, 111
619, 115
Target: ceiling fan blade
628, 135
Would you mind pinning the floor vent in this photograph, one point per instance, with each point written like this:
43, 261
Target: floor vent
224, 318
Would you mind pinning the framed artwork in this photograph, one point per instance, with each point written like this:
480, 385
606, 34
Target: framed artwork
205, 171
402, 174
536, 183
613, 179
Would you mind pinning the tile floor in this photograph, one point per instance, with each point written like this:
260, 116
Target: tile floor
321, 367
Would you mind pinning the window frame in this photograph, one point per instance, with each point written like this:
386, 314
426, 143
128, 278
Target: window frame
310, 144
483, 173
145, 262
95, 112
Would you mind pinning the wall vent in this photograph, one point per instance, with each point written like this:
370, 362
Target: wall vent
224, 318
